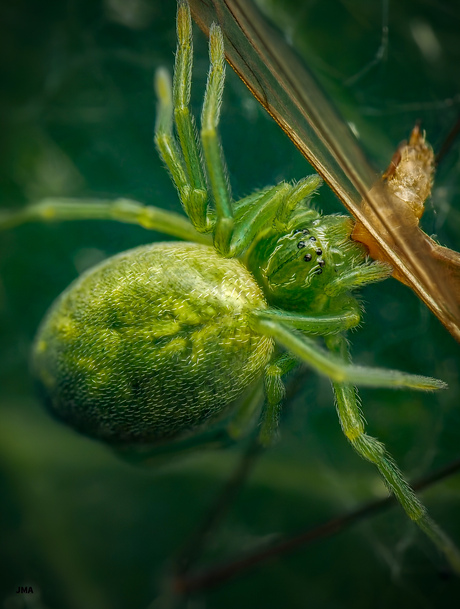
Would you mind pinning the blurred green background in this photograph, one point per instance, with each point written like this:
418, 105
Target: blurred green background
77, 111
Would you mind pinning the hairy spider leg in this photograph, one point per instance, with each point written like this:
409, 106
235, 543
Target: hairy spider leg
336, 364
184, 161
275, 393
352, 423
249, 216
328, 364
234, 226
58, 209
213, 155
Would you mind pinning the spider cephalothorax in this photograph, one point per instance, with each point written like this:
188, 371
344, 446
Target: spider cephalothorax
304, 270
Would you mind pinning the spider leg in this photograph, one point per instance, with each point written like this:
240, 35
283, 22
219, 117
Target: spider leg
250, 407
213, 155
372, 450
271, 206
315, 324
184, 162
234, 229
255, 219
274, 395
230, 237
303, 189
359, 276
56, 209
328, 364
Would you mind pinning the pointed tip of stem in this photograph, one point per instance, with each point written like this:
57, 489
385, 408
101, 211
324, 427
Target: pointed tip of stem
184, 22
163, 87
216, 45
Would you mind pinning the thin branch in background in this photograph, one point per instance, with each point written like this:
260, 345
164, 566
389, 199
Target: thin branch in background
195, 545
448, 142
209, 578
381, 53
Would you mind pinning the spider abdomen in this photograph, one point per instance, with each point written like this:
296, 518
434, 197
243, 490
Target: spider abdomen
151, 343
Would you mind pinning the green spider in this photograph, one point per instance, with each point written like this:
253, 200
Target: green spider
150, 350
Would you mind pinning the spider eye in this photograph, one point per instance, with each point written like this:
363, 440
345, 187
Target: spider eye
321, 262
301, 244
307, 257
312, 238
319, 251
